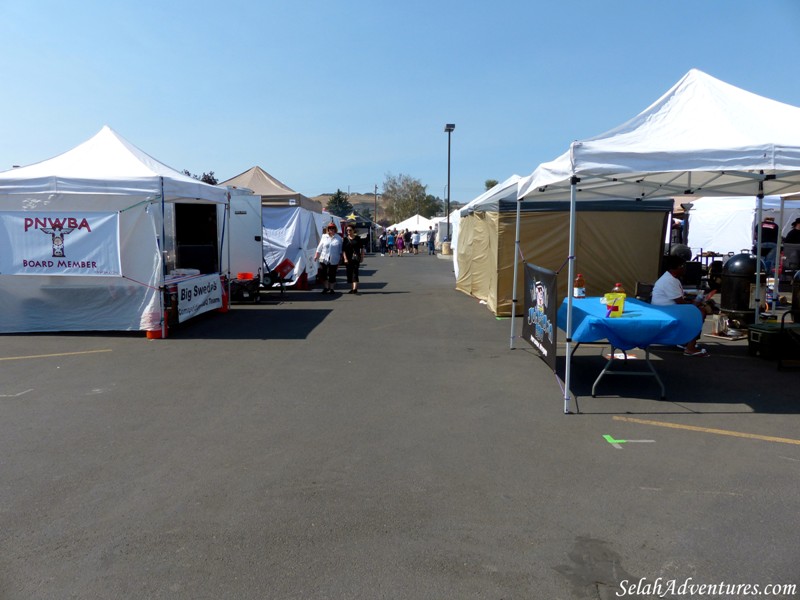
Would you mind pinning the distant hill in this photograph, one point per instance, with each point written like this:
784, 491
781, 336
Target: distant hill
354, 199
361, 202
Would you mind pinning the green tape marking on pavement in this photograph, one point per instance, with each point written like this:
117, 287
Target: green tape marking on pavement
612, 441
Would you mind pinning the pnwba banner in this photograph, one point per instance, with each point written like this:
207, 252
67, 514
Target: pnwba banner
59, 243
541, 307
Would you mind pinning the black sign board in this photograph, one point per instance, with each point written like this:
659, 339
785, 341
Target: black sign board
539, 326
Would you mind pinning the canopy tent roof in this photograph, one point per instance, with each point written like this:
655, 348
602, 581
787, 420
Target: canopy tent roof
490, 199
261, 182
270, 189
106, 164
703, 137
415, 223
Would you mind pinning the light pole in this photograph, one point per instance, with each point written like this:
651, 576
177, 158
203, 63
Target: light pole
449, 129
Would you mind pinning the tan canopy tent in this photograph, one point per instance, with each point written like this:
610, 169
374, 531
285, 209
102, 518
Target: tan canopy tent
290, 224
618, 241
272, 191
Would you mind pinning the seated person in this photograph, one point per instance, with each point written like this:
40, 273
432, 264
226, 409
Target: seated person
793, 237
668, 290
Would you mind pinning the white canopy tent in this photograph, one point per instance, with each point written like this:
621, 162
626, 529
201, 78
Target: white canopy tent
109, 208
415, 223
703, 137
726, 224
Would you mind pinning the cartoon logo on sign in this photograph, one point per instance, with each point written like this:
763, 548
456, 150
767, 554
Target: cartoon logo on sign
536, 313
57, 236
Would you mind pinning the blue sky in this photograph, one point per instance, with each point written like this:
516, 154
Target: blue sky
327, 95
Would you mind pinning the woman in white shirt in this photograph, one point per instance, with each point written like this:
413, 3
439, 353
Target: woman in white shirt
668, 290
415, 241
329, 253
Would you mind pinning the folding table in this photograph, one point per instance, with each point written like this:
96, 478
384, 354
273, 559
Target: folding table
640, 326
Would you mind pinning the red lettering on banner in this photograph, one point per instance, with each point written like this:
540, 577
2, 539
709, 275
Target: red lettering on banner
34, 264
77, 264
56, 223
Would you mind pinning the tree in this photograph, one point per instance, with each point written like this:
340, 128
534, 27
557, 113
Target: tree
490, 183
339, 205
433, 206
403, 197
205, 177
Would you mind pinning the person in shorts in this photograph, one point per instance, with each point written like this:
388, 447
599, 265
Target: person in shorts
415, 242
390, 239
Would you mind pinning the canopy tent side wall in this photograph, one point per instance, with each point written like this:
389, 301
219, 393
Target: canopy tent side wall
291, 232
611, 247
476, 255
38, 303
618, 242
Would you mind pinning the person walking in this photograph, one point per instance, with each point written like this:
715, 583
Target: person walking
431, 241
382, 242
329, 253
415, 242
390, 242
353, 252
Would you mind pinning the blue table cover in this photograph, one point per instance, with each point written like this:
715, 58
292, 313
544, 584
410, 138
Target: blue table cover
640, 325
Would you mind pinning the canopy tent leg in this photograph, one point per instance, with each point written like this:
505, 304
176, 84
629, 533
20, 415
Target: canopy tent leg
573, 190
516, 274
162, 288
776, 277
759, 219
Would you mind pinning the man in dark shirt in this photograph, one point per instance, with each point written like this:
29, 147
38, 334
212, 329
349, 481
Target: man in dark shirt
793, 237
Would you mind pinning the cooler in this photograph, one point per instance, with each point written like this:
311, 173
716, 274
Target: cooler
767, 340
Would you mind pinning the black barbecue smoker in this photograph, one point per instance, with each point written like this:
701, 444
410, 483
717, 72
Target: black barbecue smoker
738, 288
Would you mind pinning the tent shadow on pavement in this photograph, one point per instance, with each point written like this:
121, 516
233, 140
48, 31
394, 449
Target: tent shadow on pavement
254, 323
711, 385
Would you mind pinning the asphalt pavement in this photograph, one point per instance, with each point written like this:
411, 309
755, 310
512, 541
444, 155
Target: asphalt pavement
387, 445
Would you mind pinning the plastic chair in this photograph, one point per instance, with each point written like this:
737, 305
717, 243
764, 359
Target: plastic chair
644, 291
693, 275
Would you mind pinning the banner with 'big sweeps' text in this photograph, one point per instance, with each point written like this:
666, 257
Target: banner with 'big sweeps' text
197, 295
